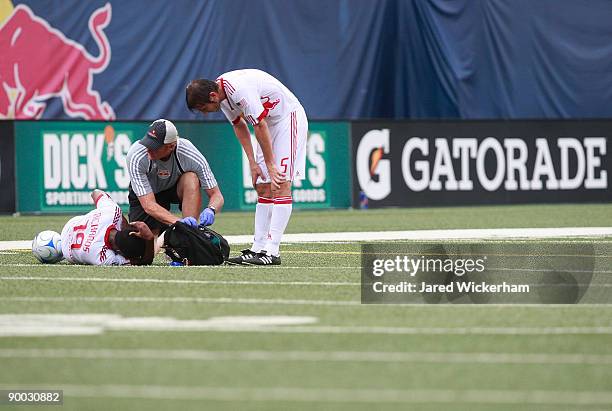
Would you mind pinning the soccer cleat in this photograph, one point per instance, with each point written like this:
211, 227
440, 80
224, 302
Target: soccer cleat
262, 258
240, 259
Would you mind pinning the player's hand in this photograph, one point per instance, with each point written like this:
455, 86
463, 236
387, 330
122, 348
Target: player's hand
255, 173
207, 217
276, 176
143, 232
190, 221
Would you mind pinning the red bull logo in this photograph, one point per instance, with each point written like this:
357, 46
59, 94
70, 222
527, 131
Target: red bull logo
39, 62
267, 104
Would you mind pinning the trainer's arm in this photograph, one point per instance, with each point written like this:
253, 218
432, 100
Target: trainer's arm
215, 198
156, 211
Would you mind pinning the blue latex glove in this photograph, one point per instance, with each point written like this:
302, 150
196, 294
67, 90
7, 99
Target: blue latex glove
190, 221
207, 217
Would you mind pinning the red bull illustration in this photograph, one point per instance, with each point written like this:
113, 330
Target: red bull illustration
267, 104
31, 74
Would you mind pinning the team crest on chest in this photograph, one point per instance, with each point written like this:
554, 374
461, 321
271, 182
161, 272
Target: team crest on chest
163, 173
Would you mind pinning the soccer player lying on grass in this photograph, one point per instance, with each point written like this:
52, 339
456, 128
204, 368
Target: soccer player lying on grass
103, 236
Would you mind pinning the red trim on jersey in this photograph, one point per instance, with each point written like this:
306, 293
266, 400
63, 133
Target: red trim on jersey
118, 215
96, 202
264, 200
222, 83
107, 234
228, 86
103, 253
236, 120
219, 82
263, 115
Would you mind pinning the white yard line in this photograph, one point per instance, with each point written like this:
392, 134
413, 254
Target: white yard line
201, 300
334, 395
65, 324
199, 267
456, 234
165, 281
281, 301
316, 356
444, 330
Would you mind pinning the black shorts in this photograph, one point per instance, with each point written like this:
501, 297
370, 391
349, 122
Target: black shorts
164, 198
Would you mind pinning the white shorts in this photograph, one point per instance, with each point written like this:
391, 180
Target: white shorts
289, 147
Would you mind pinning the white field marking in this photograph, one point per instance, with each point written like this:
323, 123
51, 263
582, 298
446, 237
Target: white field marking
456, 234
30, 325
16, 245
277, 301
164, 281
202, 300
315, 356
199, 267
335, 395
444, 331
39, 325
227, 267
552, 240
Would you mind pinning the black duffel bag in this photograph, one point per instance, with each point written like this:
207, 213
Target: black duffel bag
195, 245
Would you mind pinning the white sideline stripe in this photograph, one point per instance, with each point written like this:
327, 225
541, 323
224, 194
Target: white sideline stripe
204, 300
162, 281
199, 267
444, 331
455, 234
227, 300
332, 356
336, 395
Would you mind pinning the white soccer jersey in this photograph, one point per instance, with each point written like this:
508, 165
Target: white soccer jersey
255, 94
85, 237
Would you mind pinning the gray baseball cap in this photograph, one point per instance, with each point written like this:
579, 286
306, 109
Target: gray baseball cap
160, 132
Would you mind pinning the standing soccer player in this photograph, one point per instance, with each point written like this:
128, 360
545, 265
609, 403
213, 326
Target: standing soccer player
255, 97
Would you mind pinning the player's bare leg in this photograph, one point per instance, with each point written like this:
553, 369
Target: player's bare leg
188, 190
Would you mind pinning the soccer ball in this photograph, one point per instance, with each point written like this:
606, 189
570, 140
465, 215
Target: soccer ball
47, 247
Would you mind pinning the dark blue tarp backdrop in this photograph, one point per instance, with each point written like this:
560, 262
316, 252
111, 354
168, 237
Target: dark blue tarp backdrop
349, 59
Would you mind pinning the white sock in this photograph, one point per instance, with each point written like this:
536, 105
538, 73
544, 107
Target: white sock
263, 215
280, 217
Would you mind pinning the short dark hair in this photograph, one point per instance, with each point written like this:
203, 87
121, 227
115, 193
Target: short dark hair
198, 92
128, 245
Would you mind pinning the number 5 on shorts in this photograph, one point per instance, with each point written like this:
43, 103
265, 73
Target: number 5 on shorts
283, 163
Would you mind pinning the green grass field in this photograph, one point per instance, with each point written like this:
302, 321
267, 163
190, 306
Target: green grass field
345, 356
